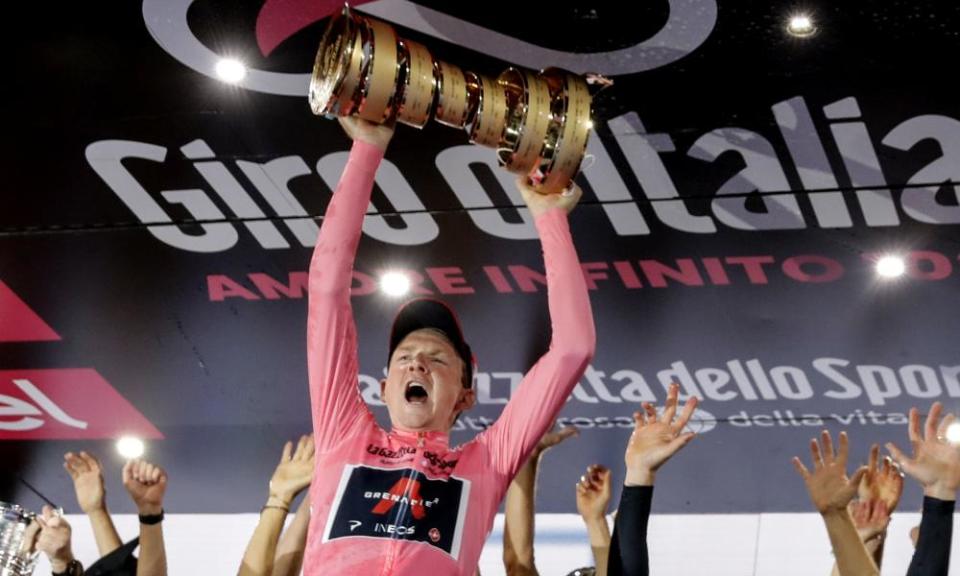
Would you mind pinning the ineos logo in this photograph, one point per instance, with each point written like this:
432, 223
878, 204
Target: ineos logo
688, 25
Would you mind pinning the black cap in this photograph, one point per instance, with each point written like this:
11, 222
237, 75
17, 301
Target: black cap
434, 314
120, 562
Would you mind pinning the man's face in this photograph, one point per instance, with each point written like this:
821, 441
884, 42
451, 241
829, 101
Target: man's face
424, 385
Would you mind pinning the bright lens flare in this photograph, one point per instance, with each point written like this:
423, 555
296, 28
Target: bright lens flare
801, 26
891, 267
130, 447
231, 70
394, 284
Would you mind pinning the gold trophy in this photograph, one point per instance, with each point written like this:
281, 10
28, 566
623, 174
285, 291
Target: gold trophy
538, 122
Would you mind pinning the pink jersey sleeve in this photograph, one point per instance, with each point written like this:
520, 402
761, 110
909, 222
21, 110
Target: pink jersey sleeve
332, 366
545, 388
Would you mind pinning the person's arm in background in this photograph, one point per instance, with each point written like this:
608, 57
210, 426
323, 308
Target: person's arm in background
935, 464
54, 540
147, 483
289, 556
831, 491
87, 476
520, 509
290, 477
655, 439
593, 497
877, 497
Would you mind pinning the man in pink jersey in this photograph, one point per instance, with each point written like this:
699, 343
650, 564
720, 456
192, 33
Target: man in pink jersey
405, 501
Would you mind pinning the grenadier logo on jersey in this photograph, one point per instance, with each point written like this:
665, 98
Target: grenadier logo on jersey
399, 504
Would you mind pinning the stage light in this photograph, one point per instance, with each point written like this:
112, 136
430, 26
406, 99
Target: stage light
891, 267
394, 284
130, 447
801, 25
231, 70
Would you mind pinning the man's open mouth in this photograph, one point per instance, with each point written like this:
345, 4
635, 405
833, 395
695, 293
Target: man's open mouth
415, 393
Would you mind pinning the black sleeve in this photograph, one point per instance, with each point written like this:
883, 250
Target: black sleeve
932, 556
628, 546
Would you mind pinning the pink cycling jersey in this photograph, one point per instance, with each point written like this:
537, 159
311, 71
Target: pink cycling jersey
403, 502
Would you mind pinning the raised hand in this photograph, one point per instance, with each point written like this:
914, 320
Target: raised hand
87, 476
294, 472
542, 203
54, 539
146, 483
829, 487
655, 439
935, 462
554, 437
883, 482
378, 135
870, 517
593, 493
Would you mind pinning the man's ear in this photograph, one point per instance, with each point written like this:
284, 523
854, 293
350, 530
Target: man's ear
383, 386
468, 398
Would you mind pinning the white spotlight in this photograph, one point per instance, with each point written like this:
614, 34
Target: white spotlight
801, 26
891, 266
394, 284
231, 70
130, 447
953, 433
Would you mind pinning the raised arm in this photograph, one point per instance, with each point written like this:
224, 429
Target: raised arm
935, 464
655, 439
289, 556
332, 365
291, 476
877, 497
593, 497
831, 491
54, 541
147, 484
546, 386
520, 509
87, 476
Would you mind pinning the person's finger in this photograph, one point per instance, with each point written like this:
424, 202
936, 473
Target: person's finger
886, 466
801, 469
857, 477
844, 451
309, 447
69, 464
827, 441
91, 462
897, 455
914, 429
287, 449
638, 419
567, 432
670, 408
651, 412
127, 472
815, 454
874, 461
78, 463
688, 409
933, 417
298, 454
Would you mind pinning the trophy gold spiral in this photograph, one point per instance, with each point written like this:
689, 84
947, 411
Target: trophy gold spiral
537, 122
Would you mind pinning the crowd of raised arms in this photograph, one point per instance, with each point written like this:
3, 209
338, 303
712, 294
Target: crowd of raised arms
428, 384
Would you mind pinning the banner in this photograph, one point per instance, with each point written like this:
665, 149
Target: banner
157, 225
